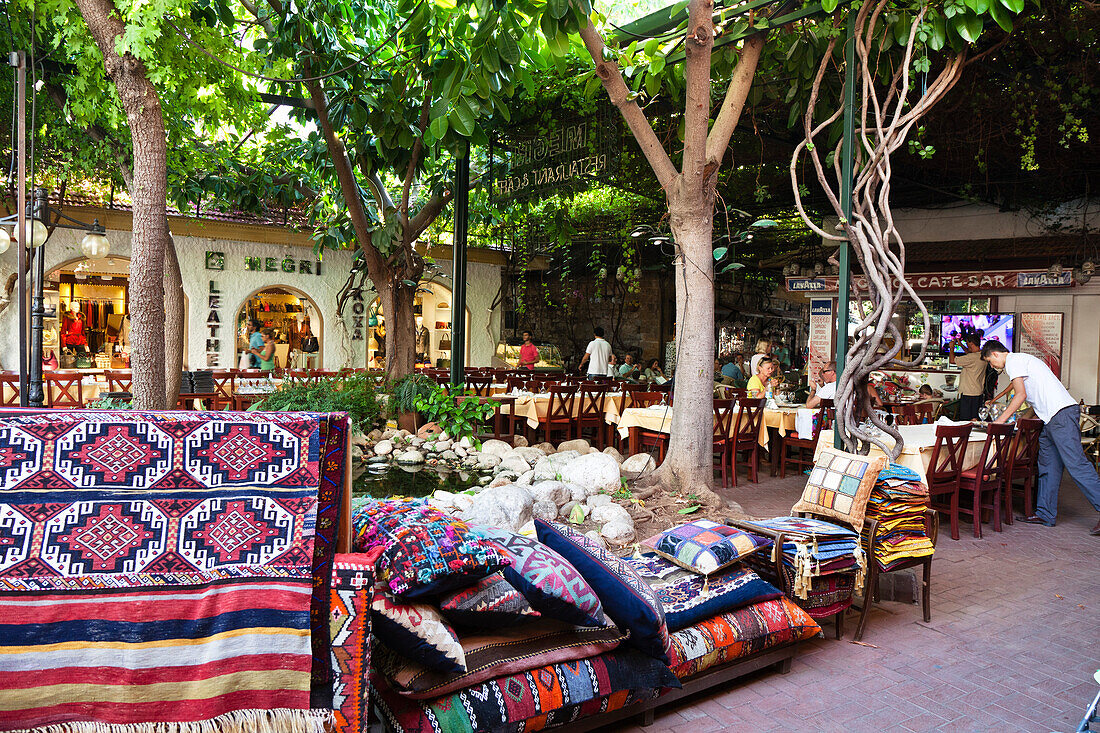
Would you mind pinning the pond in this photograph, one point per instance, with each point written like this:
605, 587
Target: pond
415, 481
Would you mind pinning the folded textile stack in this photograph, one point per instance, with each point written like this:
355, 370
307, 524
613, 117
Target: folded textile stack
814, 548
898, 502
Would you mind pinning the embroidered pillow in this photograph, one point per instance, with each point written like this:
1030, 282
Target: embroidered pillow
704, 546
626, 597
550, 584
689, 598
492, 602
839, 486
425, 551
416, 631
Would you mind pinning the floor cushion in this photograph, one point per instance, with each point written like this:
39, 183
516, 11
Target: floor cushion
704, 546
543, 697
417, 631
546, 579
729, 636
627, 598
688, 597
839, 486
507, 651
492, 602
350, 629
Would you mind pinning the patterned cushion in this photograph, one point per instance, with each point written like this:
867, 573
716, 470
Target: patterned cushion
506, 651
349, 625
545, 697
546, 579
491, 602
839, 486
740, 633
426, 552
689, 598
705, 546
416, 630
627, 599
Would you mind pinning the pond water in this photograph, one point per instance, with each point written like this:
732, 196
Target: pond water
410, 481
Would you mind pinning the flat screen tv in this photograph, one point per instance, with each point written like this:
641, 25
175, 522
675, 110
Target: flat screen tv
990, 327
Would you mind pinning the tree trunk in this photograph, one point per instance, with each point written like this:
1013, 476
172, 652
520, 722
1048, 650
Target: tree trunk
173, 323
150, 227
688, 462
397, 306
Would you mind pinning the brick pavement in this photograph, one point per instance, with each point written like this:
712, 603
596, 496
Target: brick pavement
1012, 645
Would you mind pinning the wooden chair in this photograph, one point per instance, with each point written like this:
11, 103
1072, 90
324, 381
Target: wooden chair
642, 399
515, 383
723, 441
559, 413
927, 412
593, 404
504, 424
1090, 438
9, 389
119, 381
871, 540
479, 383
224, 385
804, 448
1024, 465
987, 478
945, 470
750, 415
64, 389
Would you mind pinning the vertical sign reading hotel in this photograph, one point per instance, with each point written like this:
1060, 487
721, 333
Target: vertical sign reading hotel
1041, 336
821, 334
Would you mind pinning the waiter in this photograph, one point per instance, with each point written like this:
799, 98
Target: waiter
972, 383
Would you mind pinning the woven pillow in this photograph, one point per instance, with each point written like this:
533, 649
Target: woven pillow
425, 551
416, 631
704, 546
627, 598
839, 486
492, 602
689, 598
547, 580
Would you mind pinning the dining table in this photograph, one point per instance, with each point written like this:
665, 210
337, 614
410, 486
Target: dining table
532, 407
658, 419
920, 441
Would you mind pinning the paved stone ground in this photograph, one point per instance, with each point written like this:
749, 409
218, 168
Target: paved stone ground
1012, 645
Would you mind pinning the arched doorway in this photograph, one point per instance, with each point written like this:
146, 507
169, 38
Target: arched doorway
291, 315
432, 310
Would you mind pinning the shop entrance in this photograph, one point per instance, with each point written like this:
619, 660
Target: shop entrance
432, 309
295, 323
87, 315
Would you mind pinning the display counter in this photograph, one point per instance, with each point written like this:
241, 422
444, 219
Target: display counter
943, 378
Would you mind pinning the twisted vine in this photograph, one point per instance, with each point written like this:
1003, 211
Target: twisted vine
889, 110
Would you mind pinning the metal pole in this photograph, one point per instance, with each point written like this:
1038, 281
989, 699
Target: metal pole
18, 59
846, 165
36, 395
458, 275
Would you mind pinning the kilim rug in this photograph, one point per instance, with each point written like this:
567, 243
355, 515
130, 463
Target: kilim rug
157, 570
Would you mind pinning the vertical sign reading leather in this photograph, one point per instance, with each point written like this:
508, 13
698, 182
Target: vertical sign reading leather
821, 334
1041, 336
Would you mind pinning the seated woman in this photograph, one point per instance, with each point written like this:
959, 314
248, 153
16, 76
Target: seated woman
758, 385
654, 373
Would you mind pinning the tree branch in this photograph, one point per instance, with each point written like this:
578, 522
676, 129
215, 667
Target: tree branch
414, 157
617, 91
740, 85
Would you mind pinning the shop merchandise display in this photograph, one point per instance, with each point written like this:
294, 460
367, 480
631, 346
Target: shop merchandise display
898, 502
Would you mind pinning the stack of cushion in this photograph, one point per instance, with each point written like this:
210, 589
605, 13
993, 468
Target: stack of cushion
898, 502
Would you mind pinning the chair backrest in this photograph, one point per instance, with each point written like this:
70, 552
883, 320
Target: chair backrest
9, 389
593, 399
224, 380
996, 452
723, 419
642, 399
1027, 442
946, 463
515, 383
825, 415
750, 415
479, 384
64, 389
905, 415
561, 403
926, 412
120, 381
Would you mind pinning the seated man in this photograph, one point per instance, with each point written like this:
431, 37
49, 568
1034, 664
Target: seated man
826, 390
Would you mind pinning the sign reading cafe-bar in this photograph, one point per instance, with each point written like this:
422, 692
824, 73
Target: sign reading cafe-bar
985, 280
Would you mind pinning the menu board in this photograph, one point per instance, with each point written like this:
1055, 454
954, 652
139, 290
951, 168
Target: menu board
1041, 336
821, 334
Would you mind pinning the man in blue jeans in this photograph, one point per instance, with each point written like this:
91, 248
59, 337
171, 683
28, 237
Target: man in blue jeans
1060, 441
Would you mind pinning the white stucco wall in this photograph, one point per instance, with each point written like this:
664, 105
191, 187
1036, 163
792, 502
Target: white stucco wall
235, 284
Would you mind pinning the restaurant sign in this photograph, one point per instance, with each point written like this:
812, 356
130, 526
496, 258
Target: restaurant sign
985, 280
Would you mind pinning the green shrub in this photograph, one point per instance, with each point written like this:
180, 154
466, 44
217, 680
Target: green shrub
355, 394
108, 403
405, 392
459, 419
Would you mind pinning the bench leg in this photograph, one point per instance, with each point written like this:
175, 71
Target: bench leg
647, 718
784, 666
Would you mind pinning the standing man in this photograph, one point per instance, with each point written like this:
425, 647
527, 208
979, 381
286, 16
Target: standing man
596, 355
255, 341
1060, 441
972, 382
528, 353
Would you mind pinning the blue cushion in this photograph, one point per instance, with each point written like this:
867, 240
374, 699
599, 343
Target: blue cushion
627, 598
689, 598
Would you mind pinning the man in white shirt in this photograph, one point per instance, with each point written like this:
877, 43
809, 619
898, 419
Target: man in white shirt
596, 355
827, 390
1060, 441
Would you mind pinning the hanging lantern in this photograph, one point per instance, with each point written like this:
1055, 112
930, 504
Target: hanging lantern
819, 268
94, 245
5, 241
1055, 270
795, 269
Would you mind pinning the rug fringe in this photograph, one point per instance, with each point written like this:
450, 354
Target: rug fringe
280, 720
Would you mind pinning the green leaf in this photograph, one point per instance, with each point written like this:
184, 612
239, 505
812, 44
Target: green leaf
690, 509
657, 65
1016, 6
558, 8
508, 48
1000, 17
939, 33
829, 5
462, 118
438, 127
576, 515
652, 84
720, 252
651, 47
969, 26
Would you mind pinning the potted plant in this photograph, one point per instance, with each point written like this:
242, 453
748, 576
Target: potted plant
404, 395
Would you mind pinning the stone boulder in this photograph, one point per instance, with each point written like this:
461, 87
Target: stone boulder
618, 533
548, 468
595, 537
530, 455
637, 464
513, 462
486, 461
526, 479
610, 450
599, 500
496, 448
519, 441
508, 507
547, 448
596, 472
554, 491
577, 492
545, 510
579, 444
611, 513
410, 457
383, 447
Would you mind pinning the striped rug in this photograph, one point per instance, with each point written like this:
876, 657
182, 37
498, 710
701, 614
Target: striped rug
156, 572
